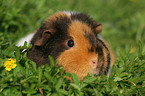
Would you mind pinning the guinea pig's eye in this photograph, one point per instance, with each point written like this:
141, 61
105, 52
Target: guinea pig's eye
70, 43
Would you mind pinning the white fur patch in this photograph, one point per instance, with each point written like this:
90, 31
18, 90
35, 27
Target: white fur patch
99, 37
109, 71
26, 38
70, 12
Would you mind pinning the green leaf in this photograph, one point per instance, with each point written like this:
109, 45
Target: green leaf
29, 47
16, 70
143, 84
83, 85
97, 93
39, 74
27, 64
54, 94
12, 92
62, 91
58, 84
75, 87
34, 66
49, 77
52, 61
75, 78
117, 79
90, 79
25, 43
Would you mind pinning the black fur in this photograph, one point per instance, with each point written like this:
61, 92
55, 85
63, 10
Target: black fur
99, 50
91, 50
108, 56
91, 38
85, 19
54, 45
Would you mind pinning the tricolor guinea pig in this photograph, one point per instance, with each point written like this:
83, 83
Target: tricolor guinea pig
73, 39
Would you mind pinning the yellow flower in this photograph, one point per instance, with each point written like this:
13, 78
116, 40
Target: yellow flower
10, 64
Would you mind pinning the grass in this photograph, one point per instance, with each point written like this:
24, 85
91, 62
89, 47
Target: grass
123, 27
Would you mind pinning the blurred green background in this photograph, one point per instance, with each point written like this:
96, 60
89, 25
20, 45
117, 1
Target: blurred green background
123, 20
123, 27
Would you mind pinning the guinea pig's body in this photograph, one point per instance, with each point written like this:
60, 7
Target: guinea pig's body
73, 40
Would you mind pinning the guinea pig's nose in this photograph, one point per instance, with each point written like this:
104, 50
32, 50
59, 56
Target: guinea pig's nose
94, 63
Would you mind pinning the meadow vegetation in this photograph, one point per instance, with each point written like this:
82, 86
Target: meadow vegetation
123, 27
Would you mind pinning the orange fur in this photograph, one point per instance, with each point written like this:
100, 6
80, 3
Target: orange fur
79, 61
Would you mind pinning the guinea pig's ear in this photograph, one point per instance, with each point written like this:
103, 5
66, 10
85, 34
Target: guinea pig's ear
45, 35
98, 27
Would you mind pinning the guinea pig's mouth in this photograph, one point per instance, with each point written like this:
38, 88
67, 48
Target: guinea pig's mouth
95, 71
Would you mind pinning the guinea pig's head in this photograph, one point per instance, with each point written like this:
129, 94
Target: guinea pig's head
72, 39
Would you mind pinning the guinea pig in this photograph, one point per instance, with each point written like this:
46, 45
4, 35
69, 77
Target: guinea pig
73, 39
